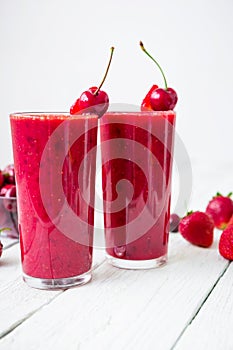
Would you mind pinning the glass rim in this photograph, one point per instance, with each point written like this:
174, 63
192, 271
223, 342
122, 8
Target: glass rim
147, 112
48, 115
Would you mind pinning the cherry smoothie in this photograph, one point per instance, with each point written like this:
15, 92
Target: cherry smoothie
49, 151
137, 152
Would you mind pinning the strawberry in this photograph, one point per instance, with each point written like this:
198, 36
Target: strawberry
197, 228
220, 209
146, 106
226, 243
1, 249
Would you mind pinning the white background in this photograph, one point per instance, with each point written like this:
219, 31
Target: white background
52, 50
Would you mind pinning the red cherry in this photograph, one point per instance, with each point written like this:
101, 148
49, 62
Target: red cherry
1, 178
5, 188
11, 192
174, 97
9, 174
146, 102
159, 99
88, 102
93, 100
163, 100
94, 103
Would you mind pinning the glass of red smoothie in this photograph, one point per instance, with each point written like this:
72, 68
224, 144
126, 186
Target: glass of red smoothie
137, 154
55, 161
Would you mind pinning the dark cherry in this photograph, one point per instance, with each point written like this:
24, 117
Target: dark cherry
5, 188
11, 192
174, 222
163, 100
1, 178
159, 99
92, 103
9, 174
10, 200
93, 100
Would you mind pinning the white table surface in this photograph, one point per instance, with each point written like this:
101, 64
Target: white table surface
186, 304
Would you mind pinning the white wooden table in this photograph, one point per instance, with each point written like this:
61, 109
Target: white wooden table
187, 304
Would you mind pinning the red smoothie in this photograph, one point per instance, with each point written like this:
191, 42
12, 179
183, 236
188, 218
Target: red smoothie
137, 152
49, 150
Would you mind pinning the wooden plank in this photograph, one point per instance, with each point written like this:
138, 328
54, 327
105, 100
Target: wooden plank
17, 300
124, 309
214, 321
20, 302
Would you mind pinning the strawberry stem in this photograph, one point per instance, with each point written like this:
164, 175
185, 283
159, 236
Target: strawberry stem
158, 65
106, 73
218, 194
229, 194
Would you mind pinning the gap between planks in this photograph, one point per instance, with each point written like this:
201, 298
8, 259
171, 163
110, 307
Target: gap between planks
59, 292
202, 304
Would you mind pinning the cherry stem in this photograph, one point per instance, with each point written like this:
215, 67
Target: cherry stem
106, 73
147, 53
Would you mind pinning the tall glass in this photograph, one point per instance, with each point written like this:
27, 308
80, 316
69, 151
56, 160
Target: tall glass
55, 177
137, 153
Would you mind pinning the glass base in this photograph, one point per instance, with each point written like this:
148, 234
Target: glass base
57, 283
137, 264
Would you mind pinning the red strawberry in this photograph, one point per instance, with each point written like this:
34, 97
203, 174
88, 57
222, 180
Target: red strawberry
197, 228
1, 249
220, 209
226, 243
146, 106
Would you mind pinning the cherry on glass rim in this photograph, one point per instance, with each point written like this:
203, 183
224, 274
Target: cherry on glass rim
158, 99
93, 100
